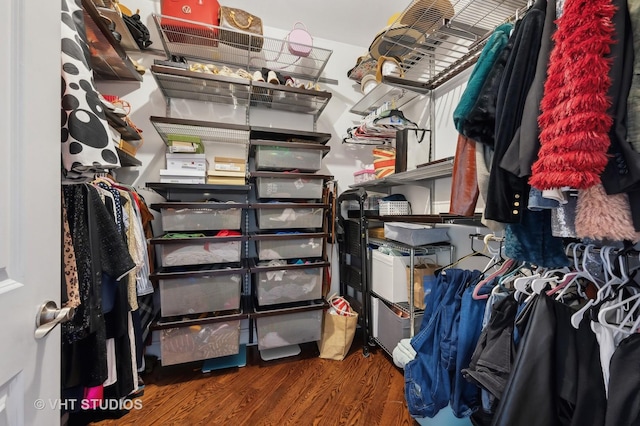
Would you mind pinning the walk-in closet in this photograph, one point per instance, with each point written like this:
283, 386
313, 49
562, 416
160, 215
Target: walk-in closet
421, 212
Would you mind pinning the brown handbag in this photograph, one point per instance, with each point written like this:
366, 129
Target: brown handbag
246, 29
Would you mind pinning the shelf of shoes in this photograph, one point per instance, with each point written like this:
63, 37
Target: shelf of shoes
108, 58
222, 85
203, 43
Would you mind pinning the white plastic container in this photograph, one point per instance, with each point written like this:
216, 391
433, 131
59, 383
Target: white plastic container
289, 185
289, 246
288, 156
275, 331
389, 276
199, 292
289, 216
198, 342
198, 250
200, 216
288, 284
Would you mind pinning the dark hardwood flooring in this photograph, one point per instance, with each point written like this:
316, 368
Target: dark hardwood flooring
300, 390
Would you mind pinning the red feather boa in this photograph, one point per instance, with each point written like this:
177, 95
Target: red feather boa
574, 124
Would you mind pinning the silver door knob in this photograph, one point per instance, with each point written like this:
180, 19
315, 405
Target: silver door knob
49, 316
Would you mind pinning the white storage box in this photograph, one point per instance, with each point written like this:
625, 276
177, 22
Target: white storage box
389, 276
200, 216
276, 331
182, 176
199, 342
289, 283
196, 162
198, 250
289, 185
393, 327
414, 234
199, 292
289, 216
288, 156
289, 246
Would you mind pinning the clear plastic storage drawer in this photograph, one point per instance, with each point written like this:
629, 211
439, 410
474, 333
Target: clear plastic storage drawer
184, 293
276, 331
289, 185
289, 156
198, 250
289, 246
199, 342
289, 216
200, 216
288, 283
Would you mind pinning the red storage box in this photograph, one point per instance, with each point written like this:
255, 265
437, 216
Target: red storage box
192, 25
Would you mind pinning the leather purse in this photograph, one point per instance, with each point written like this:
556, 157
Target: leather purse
246, 29
195, 21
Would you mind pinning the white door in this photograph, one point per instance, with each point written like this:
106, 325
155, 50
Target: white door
29, 209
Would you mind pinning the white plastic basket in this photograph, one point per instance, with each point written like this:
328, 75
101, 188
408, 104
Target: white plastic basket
391, 208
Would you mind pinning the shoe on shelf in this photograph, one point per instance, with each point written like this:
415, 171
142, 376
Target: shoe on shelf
244, 74
388, 66
227, 72
257, 76
272, 78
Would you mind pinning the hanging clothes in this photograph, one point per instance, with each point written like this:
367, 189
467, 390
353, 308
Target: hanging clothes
574, 130
622, 173
523, 150
633, 100
556, 378
443, 348
490, 52
506, 195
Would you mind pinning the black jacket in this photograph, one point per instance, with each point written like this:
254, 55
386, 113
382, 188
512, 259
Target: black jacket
508, 194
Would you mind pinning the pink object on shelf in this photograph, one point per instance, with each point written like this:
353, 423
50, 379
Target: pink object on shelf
364, 175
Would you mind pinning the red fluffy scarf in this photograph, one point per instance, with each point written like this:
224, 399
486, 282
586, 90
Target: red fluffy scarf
574, 123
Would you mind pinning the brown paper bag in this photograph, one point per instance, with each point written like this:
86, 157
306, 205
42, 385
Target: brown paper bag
419, 272
337, 335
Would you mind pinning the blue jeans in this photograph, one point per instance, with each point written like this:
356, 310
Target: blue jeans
427, 379
465, 396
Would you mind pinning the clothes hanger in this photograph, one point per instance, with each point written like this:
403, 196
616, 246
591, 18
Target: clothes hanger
474, 253
506, 265
622, 323
606, 289
581, 272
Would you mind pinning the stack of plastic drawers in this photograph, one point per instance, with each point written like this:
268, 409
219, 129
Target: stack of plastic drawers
289, 242
200, 278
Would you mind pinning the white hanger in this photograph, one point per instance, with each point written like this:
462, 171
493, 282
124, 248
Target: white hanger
622, 323
581, 271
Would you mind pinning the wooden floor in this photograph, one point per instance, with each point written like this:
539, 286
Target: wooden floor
301, 390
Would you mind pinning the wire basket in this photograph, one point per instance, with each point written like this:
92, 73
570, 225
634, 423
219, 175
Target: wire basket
394, 208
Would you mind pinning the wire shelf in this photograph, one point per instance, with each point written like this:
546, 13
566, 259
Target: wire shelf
433, 170
176, 83
185, 84
406, 249
379, 95
205, 130
200, 41
434, 43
